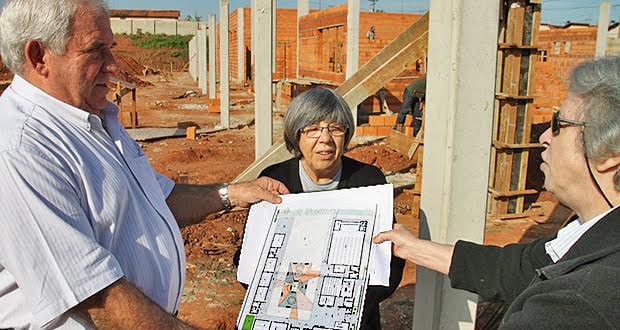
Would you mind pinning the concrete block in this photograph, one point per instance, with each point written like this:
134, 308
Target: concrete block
376, 121
390, 120
191, 133
371, 130
385, 131
214, 105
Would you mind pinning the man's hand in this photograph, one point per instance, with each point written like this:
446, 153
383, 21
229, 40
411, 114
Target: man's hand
264, 188
435, 256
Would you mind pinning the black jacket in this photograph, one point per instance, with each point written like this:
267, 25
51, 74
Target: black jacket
354, 174
580, 291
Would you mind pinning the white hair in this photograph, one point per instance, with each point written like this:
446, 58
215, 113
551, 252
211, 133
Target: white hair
48, 21
597, 84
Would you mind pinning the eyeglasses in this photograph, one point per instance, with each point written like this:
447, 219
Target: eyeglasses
315, 131
557, 121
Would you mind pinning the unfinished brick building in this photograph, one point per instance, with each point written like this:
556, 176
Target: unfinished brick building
561, 49
322, 50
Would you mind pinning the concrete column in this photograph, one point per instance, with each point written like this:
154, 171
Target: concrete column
353, 38
263, 107
274, 45
240, 45
253, 39
462, 59
212, 47
193, 58
603, 26
303, 8
201, 40
224, 64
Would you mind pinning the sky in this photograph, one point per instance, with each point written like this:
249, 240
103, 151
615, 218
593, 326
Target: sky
554, 11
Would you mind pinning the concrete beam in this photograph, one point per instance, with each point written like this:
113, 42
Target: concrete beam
460, 100
603, 26
253, 40
303, 8
353, 40
383, 67
274, 46
263, 50
224, 65
240, 45
201, 40
212, 52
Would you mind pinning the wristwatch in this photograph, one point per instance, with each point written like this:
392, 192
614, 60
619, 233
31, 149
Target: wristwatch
222, 190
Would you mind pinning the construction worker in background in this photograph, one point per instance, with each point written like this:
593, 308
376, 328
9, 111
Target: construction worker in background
90, 232
572, 279
413, 104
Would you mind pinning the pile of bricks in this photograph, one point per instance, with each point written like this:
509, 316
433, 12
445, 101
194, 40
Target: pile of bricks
382, 125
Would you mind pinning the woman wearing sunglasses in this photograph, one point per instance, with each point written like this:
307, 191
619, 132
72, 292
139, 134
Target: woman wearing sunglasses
570, 280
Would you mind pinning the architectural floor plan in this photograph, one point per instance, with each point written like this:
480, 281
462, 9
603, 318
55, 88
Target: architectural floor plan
313, 270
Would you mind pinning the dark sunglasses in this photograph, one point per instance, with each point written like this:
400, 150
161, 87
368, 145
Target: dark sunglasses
557, 122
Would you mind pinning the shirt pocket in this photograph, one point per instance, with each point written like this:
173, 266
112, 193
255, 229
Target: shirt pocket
145, 176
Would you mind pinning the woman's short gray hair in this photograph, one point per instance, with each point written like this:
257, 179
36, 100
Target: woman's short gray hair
311, 107
49, 21
597, 84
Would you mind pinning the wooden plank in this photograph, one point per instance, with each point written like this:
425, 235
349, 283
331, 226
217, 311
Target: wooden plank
401, 142
512, 193
536, 25
503, 96
516, 46
502, 145
415, 208
517, 24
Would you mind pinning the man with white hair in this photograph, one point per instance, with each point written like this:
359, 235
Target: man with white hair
572, 279
90, 232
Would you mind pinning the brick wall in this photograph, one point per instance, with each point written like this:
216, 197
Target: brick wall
323, 48
565, 48
286, 43
322, 44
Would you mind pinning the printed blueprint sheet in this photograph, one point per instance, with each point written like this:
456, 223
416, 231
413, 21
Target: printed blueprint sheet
313, 268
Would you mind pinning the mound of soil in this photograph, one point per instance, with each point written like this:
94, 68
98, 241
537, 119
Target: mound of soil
129, 69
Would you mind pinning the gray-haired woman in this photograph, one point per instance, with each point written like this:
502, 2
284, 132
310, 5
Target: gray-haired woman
318, 126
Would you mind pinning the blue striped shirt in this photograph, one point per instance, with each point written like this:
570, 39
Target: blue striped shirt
81, 207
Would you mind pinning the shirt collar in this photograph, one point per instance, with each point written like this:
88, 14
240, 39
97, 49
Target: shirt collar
56, 107
569, 235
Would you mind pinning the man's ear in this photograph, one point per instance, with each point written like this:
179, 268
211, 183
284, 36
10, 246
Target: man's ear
607, 164
35, 57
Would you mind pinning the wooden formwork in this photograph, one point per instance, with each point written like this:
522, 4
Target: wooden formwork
511, 145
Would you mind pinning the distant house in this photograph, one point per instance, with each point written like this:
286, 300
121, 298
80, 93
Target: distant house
137, 21
163, 15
